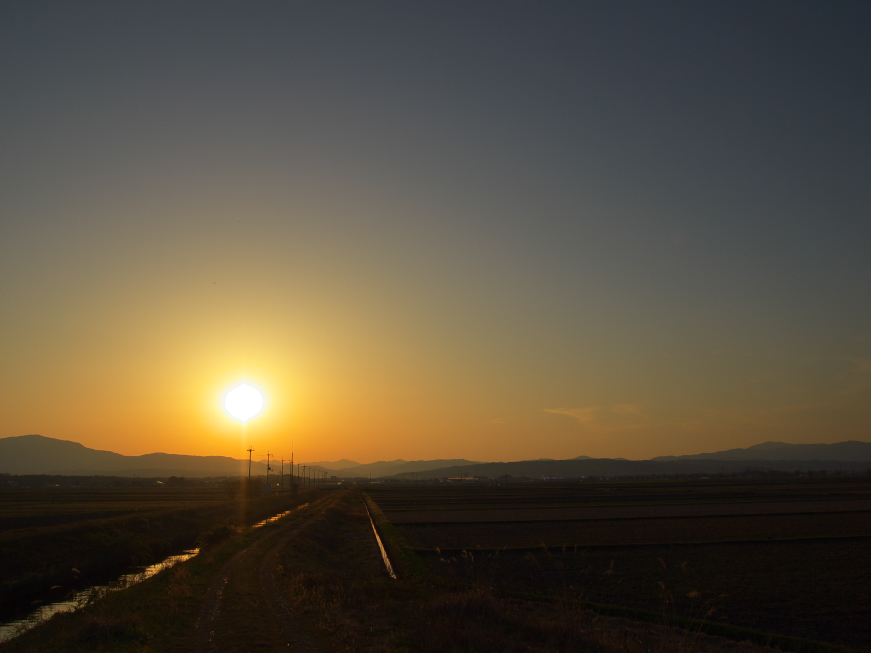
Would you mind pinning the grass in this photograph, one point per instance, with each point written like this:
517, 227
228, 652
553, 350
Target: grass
37, 558
158, 614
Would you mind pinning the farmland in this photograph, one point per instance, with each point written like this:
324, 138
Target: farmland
787, 558
45, 533
634, 567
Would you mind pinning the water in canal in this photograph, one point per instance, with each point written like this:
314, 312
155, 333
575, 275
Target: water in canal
79, 599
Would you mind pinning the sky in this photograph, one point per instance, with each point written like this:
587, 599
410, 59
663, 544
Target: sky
483, 230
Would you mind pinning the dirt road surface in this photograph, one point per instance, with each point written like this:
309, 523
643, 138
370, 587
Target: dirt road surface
243, 610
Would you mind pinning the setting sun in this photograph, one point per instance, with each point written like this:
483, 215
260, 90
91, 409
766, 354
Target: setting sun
243, 402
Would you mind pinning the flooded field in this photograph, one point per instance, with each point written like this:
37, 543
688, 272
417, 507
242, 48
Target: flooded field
786, 558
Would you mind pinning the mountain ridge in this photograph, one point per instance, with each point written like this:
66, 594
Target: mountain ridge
847, 451
37, 454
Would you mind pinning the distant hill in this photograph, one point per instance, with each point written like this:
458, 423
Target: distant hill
326, 465
36, 454
620, 467
401, 467
850, 451
334, 465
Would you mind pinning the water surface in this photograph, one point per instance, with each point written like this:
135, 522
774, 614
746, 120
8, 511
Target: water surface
79, 599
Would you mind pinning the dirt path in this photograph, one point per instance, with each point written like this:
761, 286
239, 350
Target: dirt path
243, 610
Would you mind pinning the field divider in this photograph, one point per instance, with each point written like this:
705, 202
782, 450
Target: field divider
549, 505
560, 547
380, 545
407, 564
613, 519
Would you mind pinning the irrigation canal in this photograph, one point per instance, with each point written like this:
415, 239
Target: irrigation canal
76, 601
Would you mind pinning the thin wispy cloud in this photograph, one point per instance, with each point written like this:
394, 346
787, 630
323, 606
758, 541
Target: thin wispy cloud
583, 415
602, 420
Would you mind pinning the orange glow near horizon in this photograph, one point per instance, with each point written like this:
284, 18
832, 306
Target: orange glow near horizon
422, 242
346, 406
396, 377
352, 366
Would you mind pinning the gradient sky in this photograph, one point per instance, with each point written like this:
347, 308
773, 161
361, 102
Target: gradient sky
433, 230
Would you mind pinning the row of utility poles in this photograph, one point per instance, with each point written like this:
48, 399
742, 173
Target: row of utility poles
307, 475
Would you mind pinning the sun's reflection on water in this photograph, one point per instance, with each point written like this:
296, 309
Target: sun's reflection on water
81, 598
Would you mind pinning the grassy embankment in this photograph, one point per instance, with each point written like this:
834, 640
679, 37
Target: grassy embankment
158, 614
85, 534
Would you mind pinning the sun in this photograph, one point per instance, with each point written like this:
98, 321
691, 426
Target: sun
243, 402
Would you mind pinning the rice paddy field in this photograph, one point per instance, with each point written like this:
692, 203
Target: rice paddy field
40, 507
790, 558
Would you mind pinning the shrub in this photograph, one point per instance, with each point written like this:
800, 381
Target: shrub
215, 535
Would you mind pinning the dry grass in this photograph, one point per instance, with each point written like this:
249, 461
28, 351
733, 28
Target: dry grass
179, 587
334, 579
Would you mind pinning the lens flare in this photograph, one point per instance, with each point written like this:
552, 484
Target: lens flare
243, 402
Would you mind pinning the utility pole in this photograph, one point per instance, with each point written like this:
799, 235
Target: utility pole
303, 475
292, 477
250, 449
281, 483
267, 467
